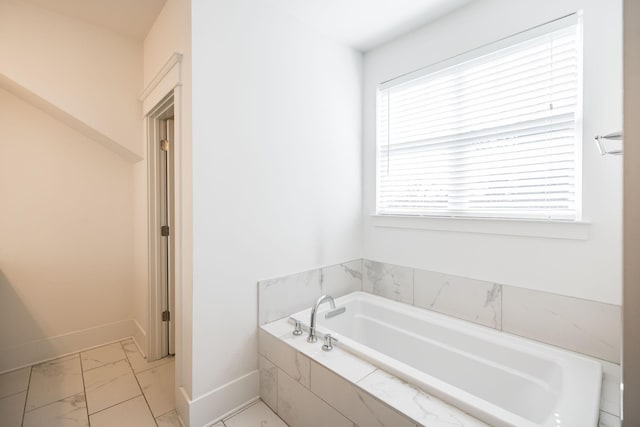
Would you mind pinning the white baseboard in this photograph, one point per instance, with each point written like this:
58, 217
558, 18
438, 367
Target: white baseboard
182, 406
37, 351
139, 336
217, 404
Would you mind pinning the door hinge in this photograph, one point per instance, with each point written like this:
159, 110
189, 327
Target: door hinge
164, 145
166, 316
164, 230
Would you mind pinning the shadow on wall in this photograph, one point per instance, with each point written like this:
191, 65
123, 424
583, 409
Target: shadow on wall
16, 323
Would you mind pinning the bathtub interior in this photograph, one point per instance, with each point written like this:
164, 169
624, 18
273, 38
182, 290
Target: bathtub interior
465, 362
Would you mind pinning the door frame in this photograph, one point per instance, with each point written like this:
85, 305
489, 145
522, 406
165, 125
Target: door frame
165, 86
158, 297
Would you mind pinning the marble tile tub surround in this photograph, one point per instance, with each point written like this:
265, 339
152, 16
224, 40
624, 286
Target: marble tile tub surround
279, 297
584, 326
587, 327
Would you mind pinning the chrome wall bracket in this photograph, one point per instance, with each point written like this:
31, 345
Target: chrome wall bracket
614, 136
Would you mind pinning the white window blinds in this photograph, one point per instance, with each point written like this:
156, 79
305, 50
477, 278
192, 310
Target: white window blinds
494, 136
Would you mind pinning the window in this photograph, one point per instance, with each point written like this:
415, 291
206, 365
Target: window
494, 133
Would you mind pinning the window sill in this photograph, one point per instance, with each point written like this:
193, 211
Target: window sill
571, 230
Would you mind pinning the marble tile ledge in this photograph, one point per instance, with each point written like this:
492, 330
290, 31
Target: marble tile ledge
408, 400
405, 399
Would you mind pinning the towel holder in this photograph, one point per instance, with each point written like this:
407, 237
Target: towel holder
616, 136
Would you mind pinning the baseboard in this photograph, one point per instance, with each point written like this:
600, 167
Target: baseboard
139, 336
217, 404
37, 351
182, 405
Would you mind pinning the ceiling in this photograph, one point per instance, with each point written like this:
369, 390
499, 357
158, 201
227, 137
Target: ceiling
361, 24
365, 24
131, 18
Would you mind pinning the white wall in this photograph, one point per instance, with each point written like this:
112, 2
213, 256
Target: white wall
89, 72
276, 177
588, 269
66, 246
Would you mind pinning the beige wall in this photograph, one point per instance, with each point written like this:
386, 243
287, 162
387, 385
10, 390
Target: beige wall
66, 237
66, 251
91, 73
171, 32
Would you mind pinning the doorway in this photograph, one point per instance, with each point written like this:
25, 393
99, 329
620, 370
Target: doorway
161, 209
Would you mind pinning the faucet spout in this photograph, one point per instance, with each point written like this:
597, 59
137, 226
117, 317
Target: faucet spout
314, 310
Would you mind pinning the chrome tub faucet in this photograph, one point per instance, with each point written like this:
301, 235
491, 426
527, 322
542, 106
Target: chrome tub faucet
312, 323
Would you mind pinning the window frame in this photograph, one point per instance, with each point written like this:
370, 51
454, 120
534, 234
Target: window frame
522, 36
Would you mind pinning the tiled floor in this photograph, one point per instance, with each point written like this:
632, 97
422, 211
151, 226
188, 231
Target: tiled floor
257, 414
109, 386
112, 385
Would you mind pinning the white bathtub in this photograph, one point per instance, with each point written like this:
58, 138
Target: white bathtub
499, 378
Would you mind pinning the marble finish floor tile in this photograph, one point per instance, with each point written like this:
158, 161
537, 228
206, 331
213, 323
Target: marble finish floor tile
14, 382
109, 385
131, 413
53, 381
102, 356
69, 412
170, 419
11, 409
96, 387
138, 362
256, 415
158, 387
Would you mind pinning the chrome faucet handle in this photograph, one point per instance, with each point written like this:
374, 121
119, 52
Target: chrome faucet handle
335, 312
328, 342
297, 326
